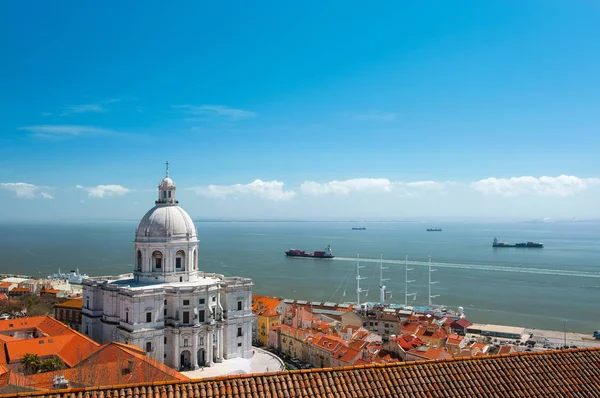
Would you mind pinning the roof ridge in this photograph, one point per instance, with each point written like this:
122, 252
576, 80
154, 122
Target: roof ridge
303, 371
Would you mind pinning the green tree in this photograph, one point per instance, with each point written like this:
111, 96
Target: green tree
31, 363
52, 364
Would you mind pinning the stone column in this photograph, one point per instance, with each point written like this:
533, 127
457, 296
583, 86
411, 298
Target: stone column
195, 352
220, 343
175, 352
209, 347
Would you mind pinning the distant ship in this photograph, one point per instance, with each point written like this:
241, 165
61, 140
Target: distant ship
359, 228
535, 245
72, 277
317, 254
434, 230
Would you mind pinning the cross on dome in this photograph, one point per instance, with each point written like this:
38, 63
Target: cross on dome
167, 163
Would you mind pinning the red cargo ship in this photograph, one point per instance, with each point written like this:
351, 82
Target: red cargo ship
317, 254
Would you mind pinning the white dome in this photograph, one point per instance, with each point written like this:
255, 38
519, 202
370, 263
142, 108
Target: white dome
168, 223
167, 182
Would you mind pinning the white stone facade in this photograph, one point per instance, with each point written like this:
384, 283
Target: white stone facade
179, 315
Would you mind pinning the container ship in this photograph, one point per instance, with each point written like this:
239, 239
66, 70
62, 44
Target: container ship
535, 245
316, 254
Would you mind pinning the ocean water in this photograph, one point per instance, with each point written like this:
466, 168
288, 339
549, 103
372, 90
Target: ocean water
551, 288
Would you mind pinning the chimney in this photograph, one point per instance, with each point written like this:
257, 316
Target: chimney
130, 366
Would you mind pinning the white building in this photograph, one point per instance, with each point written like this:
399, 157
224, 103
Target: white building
181, 316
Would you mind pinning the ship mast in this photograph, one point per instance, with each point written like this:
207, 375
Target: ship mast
406, 282
431, 283
358, 278
382, 289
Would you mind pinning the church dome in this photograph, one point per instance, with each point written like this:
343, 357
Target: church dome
166, 222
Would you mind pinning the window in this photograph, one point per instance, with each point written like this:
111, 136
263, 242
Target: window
165, 302
179, 259
165, 339
164, 194
201, 301
165, 312
239, 305
239, 344
214, 298
148, 317
186, 317
87, 330
148, 346
201, 316
239, 332
169, 194
139, 260
185, 342
127, 316
201, 340
186, 302
87, 302
157, 258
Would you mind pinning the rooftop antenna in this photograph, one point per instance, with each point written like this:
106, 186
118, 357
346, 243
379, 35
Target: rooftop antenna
431, 283
382, 289
358, 278
406, 282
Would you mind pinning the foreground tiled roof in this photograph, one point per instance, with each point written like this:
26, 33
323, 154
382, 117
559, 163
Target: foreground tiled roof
570, 373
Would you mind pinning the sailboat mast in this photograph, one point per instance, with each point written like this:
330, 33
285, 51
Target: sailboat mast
431, 283
382, 288
406, 282
358, 278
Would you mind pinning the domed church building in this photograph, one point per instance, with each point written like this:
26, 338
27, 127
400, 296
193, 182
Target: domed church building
181, 316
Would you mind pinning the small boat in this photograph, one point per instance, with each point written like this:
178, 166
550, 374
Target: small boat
434, 230
316, 254
359, 228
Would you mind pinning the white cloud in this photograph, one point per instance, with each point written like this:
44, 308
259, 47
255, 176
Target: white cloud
25, 190
216, 110
370, 185
101, 191
560, 186
271, 190
374, 116
346, 186
86, 108
64, 131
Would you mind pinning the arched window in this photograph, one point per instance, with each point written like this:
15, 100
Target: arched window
179, 260
195, 265
139, 260
157, 260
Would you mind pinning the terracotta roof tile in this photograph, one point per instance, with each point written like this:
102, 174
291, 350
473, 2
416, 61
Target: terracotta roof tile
569, 373
74, 303
264, 302
58, 339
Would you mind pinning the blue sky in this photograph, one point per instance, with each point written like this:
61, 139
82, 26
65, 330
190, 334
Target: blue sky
339, 109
